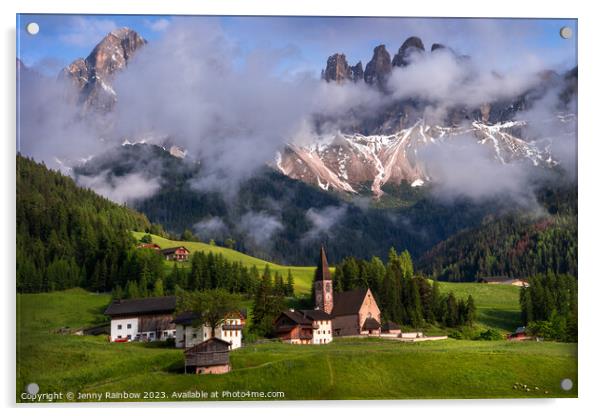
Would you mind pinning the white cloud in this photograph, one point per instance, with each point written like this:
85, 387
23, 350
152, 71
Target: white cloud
260, 226
85, 31
122, 189
211, 228
323, 220
159, 25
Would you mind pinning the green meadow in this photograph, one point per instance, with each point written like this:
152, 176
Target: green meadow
348, 368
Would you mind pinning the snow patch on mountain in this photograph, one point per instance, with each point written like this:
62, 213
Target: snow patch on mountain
351, 162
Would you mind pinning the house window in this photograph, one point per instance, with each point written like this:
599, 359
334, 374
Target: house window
129, 326
129, 337
194, 335
118, 336
119, 326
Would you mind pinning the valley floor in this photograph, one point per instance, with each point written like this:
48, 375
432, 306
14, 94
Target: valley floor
349, 368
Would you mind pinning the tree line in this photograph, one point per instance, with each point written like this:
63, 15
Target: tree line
549, 306
402, 296
145, 276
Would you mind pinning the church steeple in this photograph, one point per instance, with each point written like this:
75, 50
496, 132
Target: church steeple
323, 272
323, 284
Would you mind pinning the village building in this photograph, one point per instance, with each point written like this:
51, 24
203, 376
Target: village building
304, 327
391, 328
503, 280
520, 334
151, 246
176, 253
189, 333
211, 356
146, 319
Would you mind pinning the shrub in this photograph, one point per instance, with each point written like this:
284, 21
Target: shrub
490, 335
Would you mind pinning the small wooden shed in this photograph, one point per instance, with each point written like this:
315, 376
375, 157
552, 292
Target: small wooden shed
208, 357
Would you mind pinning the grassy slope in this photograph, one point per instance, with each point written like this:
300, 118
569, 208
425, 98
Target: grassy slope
341, 370
497, 305
303, 275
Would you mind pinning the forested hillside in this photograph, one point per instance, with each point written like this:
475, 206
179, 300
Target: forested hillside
516, 245
68, 236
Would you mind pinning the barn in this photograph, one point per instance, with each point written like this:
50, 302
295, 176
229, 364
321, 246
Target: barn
209, 357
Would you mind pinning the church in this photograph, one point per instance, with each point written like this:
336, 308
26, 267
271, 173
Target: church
349, 313
353, 312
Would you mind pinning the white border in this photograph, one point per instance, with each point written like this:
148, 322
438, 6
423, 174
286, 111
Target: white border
590, 152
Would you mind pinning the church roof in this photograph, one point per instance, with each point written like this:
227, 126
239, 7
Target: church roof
348, 303
323, 272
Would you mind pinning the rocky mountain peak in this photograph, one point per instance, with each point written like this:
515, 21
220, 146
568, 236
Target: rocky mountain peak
357, 72
92, 76
437, 46
114, 51
412, 45
338, 70
379, 68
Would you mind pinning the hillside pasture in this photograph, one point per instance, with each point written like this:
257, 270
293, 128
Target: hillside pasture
349, 368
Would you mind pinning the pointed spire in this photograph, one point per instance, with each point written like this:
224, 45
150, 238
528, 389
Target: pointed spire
323, 272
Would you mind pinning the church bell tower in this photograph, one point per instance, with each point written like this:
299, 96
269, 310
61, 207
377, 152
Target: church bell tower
323, 284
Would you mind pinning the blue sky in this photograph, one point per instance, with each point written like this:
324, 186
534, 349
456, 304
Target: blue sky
306, 42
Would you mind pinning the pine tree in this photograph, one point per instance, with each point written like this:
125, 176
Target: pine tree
131, 290
451, 312
290, 284
145, 278
158, 288
117, 293
471, 311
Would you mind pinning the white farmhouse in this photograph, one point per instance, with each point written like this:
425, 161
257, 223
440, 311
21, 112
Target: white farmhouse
146, 319
188, 334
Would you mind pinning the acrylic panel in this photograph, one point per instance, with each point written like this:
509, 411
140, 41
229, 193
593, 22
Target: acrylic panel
216, 208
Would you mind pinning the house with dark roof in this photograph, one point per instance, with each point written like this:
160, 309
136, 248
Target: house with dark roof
145, 319
189, 332
390, 328
310, 326
211, 356
176, 253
